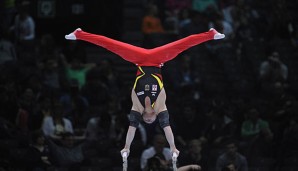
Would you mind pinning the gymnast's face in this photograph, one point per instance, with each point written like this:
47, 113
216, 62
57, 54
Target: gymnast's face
149, 117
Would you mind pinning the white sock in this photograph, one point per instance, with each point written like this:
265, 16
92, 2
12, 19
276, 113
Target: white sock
217, 35
72, 36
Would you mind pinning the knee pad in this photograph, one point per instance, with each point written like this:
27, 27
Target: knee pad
134, 118
164, 119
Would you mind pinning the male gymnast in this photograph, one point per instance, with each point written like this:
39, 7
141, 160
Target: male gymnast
148, 94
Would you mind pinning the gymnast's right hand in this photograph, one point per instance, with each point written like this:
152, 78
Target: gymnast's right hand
174, 150
123, 151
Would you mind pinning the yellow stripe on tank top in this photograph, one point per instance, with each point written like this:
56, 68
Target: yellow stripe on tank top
138, 77
158, 80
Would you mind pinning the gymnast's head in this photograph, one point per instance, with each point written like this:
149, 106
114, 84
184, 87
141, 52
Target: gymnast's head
149, 115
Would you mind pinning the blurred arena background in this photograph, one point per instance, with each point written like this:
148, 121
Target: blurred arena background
64, 104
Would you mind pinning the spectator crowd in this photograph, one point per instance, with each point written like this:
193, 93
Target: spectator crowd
233, 102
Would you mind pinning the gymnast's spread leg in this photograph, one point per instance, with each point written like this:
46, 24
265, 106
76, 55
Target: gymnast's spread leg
171, 50
126, 51
146, 57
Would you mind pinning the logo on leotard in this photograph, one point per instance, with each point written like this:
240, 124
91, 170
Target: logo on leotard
154, 87
140, 93
147, 87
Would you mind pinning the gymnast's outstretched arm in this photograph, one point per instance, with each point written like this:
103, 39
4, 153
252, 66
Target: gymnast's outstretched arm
129, 138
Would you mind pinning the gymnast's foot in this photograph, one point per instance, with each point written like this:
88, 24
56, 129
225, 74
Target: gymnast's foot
72, 35
217, 35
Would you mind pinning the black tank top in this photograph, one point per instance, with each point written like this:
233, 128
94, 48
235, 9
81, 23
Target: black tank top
148, 83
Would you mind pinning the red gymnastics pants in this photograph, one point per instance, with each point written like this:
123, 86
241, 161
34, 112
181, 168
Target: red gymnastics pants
146, 57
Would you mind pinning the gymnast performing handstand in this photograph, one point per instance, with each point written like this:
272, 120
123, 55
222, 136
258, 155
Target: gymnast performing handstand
148, 94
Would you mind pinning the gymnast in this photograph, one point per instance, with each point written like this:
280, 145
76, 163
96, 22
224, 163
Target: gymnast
148, 94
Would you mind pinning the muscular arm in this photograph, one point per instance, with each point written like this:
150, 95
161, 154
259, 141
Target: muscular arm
170, 137
129, 136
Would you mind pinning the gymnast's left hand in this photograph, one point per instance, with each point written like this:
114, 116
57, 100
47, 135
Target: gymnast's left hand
125, 150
